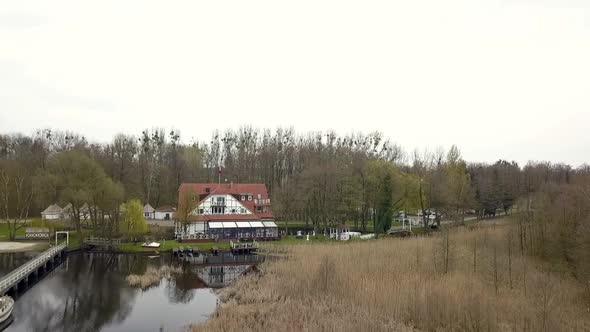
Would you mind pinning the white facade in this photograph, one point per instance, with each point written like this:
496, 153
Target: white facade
53, 216
221, 204
149, 212
194, 230
53, 212
163, 215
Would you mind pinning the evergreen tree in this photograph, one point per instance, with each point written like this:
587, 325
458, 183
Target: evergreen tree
384, 205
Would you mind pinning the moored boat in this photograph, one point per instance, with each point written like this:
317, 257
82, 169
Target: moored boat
151, 245
6, 305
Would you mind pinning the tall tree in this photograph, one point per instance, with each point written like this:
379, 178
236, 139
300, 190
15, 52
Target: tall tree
384, 206
133, 224
187, 208
16, 195
71, 177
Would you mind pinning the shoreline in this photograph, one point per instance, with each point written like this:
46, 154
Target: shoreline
16, 247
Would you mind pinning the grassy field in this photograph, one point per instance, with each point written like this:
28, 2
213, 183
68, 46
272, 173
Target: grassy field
467, 279
4, 232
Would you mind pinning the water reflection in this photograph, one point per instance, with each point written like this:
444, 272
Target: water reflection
217, 271
88, 292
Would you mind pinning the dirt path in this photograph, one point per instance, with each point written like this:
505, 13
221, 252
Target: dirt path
22, 246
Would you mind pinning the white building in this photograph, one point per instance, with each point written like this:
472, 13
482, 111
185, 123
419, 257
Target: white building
149, 212
53, 212
227, 211
164, 213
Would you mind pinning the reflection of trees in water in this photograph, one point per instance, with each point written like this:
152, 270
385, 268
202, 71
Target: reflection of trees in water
10, 261
181, 287
89, 296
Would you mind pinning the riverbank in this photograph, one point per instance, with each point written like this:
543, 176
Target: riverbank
465, 279
168, 245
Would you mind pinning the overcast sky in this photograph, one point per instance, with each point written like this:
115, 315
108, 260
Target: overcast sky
501, 79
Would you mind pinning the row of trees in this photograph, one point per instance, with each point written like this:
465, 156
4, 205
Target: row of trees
320, 178
35, 171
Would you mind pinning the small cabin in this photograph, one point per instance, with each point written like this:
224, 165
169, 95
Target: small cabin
53, 212
164, 212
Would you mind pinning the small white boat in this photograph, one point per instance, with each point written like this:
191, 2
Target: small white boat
6, 305
151, 245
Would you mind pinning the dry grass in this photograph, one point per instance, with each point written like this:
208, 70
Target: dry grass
401, 284
152, 276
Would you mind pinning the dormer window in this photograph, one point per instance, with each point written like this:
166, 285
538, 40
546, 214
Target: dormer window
207, 190
249, 197
243, 198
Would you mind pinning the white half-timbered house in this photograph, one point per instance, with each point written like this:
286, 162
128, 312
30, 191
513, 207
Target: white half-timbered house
227, 211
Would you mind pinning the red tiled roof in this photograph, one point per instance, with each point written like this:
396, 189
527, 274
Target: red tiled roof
226, 217
226, 188
165, 208
265, 215
203, 190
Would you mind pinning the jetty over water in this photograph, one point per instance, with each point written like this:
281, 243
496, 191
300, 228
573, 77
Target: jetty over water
34, 267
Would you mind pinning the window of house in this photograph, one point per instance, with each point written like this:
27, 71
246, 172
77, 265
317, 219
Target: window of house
218, 210
243, 198
233, 210
242, 210
259, 208
201, 211
249, 197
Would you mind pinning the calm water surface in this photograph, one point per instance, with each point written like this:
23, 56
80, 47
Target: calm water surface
88, 292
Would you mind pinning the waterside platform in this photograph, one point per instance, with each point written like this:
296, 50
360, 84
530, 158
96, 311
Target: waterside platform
35, 267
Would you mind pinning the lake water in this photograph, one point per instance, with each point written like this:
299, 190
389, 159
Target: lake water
88, 292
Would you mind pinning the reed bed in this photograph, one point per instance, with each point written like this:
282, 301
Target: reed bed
152, 276
462, 280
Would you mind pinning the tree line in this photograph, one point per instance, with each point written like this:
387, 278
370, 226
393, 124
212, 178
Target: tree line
321, 178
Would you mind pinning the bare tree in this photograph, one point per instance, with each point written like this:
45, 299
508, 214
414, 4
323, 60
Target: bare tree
16, 196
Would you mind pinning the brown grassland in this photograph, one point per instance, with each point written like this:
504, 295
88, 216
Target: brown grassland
466, 279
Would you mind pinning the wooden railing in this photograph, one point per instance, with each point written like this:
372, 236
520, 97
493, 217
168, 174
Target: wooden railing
101, 242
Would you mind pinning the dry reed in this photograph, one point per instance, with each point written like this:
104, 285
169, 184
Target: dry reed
466, 280
152, 276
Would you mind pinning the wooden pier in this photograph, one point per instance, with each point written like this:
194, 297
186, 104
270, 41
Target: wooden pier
35, 266
243, 247
99, 242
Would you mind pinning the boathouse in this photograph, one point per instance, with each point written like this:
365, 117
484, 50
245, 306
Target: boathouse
226, 212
